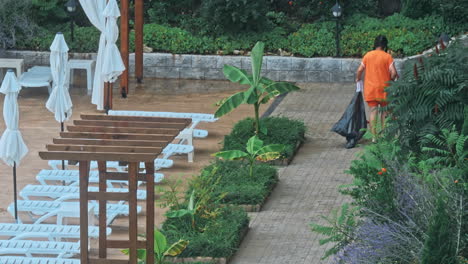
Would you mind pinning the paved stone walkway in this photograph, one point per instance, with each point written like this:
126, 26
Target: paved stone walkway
280, 233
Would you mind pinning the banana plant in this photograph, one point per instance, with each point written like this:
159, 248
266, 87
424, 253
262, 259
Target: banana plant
261, 89
255, 151
161, 249
191, 210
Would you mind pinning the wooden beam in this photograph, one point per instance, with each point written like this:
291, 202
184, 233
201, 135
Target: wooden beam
123, 176
110, 142
167, 138
124, 244
139, 40
133, 168
84, 177
92, 148
125, 130
108, 96
108, 261
104, 123
136, 118
103, 196
99, 156
149, 167
124, 46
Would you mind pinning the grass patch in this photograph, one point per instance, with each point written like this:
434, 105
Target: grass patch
236, 186
215, 236
280, 130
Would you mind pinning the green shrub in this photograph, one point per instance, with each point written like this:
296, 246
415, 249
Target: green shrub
220, 236
236, 186
175, 40
316, 39
280, 130
15, 24
429, 98
235, 16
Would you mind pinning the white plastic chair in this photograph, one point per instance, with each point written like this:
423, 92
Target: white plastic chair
57, 191
71, 177
187, 135
48, 231
27, 260
62, 209
37, 76
34, 247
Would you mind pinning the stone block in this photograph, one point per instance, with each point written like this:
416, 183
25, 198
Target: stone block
214, 74
150, 72
246, 63
318, 76
182, 61
295, 76
203, 62
276, 63
192, 73
350, 65
299, 64
168, 72
235, 61
342, 77
157, 59
323, 64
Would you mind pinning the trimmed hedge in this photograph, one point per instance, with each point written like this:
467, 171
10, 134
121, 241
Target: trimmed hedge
280, 130
237, 185
220, 236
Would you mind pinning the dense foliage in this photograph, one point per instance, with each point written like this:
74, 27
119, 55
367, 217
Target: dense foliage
14, 22
235, 184
280, 130
430, 96
410, 189
218, 236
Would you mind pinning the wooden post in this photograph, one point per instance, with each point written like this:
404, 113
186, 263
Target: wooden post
149, 167
102, 167
132, 203
84, 177
139, 40
124, 46
107, 96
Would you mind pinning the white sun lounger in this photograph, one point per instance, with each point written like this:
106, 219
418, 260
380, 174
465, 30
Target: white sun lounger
37, 77
71, 177
187, 135
53, 208
158, 164
57, 191
34, 247
27, 260
51, 232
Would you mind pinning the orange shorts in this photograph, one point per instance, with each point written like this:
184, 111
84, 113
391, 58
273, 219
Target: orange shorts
376, 103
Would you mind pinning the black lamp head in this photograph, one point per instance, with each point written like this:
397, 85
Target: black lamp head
71, 6
336, 10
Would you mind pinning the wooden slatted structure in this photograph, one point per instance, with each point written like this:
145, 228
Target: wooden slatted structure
127, 139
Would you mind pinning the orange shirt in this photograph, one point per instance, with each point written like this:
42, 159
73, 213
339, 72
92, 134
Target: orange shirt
377, 64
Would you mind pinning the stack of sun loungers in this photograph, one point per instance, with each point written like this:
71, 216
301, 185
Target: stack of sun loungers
39, 242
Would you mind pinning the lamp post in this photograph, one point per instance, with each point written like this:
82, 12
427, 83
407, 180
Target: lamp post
336, 10
71, 8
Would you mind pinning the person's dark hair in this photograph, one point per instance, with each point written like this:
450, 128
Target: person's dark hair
381, 41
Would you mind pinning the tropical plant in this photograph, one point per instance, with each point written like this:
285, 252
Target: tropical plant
261, 89
339, 229
161, 249
255, 151
190, 210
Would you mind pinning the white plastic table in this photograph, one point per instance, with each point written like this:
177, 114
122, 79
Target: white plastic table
83, 65
13, 64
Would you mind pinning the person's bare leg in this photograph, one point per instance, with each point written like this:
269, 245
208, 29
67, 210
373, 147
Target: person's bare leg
372, 120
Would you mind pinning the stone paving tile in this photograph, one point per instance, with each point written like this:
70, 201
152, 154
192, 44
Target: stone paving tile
280, 233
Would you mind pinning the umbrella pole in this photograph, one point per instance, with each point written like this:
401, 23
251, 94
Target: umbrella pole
63, 162
14, 192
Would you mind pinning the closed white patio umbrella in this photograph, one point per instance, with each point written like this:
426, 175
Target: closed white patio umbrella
59, 101
113, 65
12, 147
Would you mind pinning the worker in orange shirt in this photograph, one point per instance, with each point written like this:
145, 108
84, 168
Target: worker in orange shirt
380, 69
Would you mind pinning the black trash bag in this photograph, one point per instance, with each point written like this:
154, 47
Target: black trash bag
353, 121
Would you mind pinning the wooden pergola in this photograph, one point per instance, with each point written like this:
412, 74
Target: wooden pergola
124, 49
129, 139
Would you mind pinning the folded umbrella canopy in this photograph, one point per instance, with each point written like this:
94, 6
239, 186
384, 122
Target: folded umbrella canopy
59, 101
12, 147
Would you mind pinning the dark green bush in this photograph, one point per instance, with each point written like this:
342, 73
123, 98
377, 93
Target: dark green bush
280, 130
429, 98
220, 236
236, 185
227, 16
314, 40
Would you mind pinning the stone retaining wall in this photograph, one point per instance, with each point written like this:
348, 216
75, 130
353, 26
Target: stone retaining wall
209, 67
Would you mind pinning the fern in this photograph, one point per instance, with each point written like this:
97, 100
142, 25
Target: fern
339, 230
